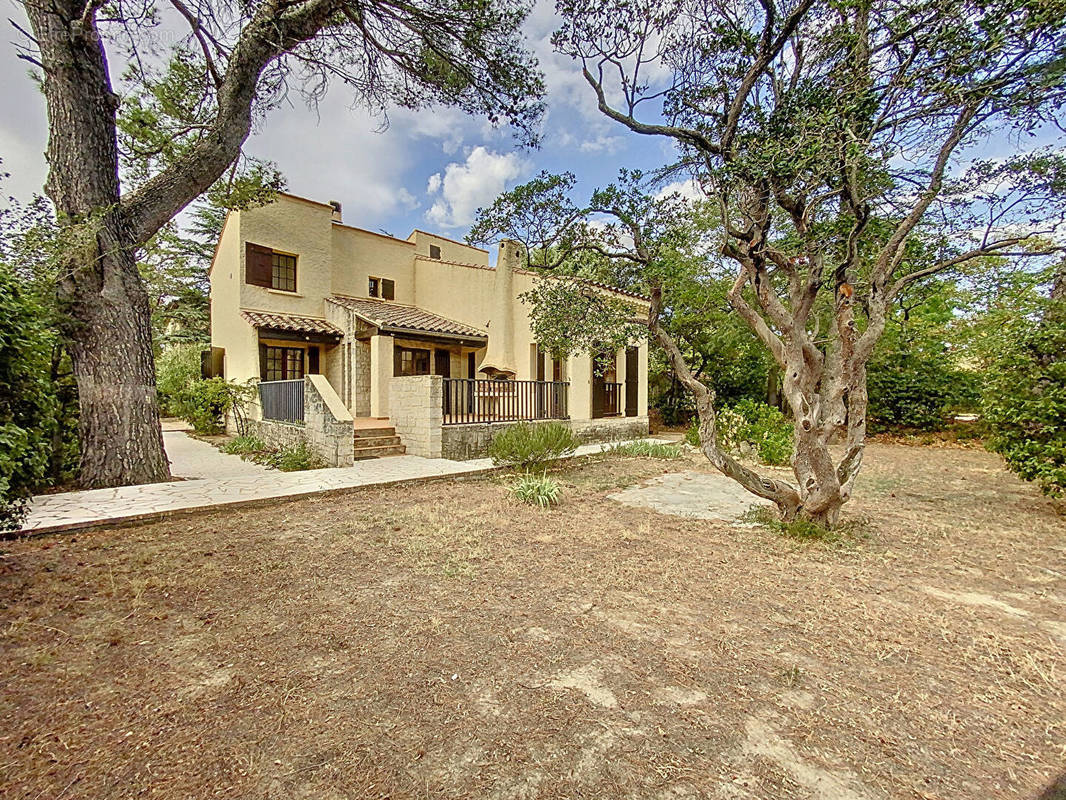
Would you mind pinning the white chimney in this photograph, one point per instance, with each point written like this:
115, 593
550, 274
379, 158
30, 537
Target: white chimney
499, 355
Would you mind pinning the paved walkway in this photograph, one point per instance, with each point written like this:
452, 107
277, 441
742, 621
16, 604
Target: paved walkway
191, 458
70, 510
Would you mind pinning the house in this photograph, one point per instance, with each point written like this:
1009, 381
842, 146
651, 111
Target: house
414, 343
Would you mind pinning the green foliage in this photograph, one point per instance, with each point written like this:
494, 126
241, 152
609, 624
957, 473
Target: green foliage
751, 424
1025, 398
177, 369
205, 403
642, 448
243, 445
529, 446
537, 490
909, 390
295, 458
804, 530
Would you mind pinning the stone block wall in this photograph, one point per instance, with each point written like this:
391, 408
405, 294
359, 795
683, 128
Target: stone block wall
327, 426
415, 410
466, 442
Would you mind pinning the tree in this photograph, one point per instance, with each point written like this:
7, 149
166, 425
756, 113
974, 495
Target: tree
194, 111
838, 143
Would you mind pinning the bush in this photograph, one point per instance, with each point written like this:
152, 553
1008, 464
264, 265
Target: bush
917, 390
176, 370
532, 447
244, 445
205, 403
537, 490
1025, 400
295, 458
642, 448
750, 424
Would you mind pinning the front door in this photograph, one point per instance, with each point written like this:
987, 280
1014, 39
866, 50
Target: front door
632, 381
442, 363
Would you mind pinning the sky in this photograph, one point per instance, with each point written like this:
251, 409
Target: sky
429, 169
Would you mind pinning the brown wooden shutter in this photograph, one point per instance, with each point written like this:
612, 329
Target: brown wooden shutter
312, 360
258, 265
388, 289
262, 362
396, 360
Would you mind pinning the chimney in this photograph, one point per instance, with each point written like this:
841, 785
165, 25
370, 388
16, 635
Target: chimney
336, 210
499, 355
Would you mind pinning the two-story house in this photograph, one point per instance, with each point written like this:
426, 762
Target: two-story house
295, 292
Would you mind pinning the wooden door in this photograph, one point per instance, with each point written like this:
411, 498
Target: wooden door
442, 363
632, 381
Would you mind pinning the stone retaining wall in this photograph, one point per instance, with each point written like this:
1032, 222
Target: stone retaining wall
327, 426
465, 442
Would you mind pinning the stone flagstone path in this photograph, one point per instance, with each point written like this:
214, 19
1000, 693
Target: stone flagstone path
71, 510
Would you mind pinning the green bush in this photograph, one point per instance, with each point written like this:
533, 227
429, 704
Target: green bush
532, 447
176, 370
917, 390
205, 403
645, 449
537, 490
296, 458
244, 445
28, 404
756, 425
1025, 399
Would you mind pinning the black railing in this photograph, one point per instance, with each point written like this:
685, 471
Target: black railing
282, 400
467, 400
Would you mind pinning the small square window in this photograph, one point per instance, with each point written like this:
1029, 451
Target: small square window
374, 290
434, 251
283, 272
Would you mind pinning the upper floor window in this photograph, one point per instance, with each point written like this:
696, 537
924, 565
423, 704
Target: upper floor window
269, 269
434, 251
383, 288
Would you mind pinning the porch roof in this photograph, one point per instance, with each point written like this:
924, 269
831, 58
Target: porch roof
290, 322
399, 318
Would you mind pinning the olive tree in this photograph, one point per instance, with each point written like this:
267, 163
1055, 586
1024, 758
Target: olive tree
839, 143
231, 64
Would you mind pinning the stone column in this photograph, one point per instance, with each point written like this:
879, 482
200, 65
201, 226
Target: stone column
381, 368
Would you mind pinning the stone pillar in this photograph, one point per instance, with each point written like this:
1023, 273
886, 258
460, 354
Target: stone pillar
580, 393
381, 368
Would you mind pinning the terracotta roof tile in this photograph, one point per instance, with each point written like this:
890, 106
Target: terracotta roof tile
396, 316
290, 322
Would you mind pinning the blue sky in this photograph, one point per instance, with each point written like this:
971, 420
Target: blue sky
429, 169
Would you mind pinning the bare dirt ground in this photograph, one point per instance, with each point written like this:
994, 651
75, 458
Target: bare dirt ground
442, 641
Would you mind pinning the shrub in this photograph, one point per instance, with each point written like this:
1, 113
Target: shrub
532, 447
176, 370
244, 445
537, 490
917, 390
1025, 400
750, 424
295, 458
644, 449
205, 403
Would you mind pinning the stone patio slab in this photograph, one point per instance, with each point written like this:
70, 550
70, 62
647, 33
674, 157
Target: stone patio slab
700, 495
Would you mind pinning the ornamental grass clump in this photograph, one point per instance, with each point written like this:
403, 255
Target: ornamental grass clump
537, 490
531, 448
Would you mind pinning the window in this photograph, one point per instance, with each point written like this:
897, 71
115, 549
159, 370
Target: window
282, 363
434, 251
382, 287
269, 269
372, 291
411, 361
283, 275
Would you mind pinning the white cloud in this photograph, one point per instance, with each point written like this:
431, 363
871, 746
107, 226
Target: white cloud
465, 187
689, 190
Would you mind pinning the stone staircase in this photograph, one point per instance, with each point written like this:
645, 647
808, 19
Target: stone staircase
376, 439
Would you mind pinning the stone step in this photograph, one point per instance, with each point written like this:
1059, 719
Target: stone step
376, 441
362, 453
374, 433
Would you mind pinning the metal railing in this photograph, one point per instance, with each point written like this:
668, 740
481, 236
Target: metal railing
282, 400
467, 400
612, 395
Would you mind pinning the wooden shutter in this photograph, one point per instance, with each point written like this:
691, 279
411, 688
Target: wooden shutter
396, 351
258, 265
312, 360
388, 289
262, 362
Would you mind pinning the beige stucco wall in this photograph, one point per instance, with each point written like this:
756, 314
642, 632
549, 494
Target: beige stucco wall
357, 255
228, 329
450, 250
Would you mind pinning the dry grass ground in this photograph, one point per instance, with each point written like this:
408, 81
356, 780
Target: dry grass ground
441, 641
